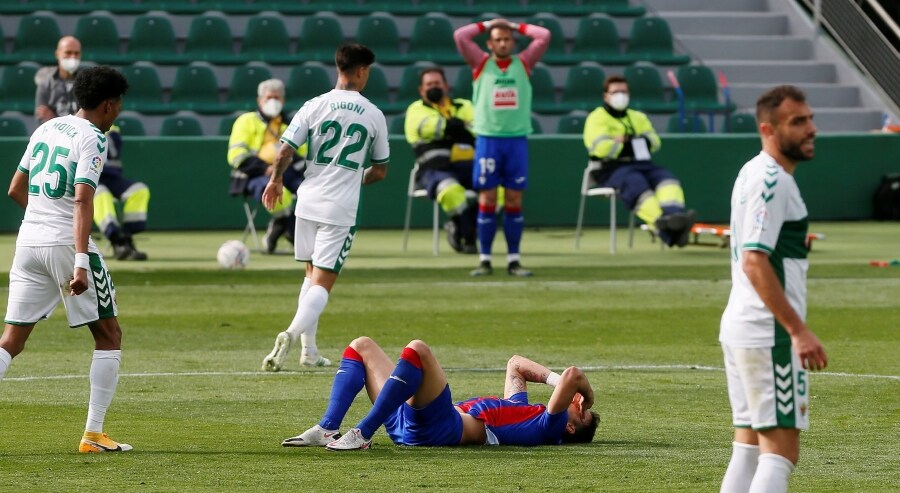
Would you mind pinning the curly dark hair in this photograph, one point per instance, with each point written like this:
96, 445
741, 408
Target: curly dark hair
584, 434
95, 85
768, 103
351, 56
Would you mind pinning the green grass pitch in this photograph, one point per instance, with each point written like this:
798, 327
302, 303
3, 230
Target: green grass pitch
202, 417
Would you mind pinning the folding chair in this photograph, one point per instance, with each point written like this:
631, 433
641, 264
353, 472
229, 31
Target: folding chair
411, 193
588, 191
250, 228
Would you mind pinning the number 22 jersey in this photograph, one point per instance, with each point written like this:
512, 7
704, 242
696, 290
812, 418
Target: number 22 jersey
344, 130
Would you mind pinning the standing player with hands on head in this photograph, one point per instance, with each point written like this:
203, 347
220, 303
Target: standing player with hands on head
56, 259
502, 98
343, 129
768, 347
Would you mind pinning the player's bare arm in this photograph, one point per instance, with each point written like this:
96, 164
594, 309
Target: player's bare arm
375, 173
18, 188
572, 382
808, 347
83, 218
272, 194
521, 370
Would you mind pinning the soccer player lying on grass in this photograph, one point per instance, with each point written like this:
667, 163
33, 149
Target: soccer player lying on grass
412, 400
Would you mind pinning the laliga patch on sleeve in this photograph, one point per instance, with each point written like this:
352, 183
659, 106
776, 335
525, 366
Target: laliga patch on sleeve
96, 164
760, 220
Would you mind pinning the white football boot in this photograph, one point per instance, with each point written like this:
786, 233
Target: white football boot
353, 440
314, 360
274, 361
313, 437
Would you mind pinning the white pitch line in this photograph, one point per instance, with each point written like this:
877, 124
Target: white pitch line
448, 370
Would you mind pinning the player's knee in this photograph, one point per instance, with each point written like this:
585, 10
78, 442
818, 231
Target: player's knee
107, 333
12, 345
362, 344
419, 347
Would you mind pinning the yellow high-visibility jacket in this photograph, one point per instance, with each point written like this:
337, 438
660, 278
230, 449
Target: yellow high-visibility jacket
601, 129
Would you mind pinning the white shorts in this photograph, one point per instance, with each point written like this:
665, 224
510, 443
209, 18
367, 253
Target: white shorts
325, 245
39, 280
767, 387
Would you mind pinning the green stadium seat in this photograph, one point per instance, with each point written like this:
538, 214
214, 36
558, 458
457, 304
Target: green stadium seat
572, 123
153, 39
556, 53
597, 40
505, 7
123, 6
18, 88
209, 39
144, 90
227, 123
229, 6
619, 8
20, 7
432, 40
651, 40
180, 126
11, 126
584, 87
35, 41
377, 91
408, 91
646, 90
397, 125
130, 126
701, 92
395, 7
319, 38
242, 92
379, 32
536, 126
306, 82
266, 40
449, 7
99, 39
691, 124
340, 7
196, 88
543, 92
740, 123
462, 86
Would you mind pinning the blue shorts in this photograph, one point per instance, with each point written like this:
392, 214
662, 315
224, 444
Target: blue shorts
435, 425
500, 161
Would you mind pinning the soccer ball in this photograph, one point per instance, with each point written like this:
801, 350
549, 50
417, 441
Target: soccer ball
233, 254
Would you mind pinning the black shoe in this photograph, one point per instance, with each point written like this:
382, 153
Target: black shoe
274, 230
670, 226
454, 235
515, 269
684, 235
484, 269
126, 251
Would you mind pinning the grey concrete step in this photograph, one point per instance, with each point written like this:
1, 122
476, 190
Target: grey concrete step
726, 23
770, 48
774, 72
818, 95
833, 120
705, 5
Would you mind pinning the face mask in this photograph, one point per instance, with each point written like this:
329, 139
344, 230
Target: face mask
435, 94
618, 101
272, 108
70, 64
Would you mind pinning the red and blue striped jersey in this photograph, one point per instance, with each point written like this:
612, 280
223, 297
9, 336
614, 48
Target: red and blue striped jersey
514, 421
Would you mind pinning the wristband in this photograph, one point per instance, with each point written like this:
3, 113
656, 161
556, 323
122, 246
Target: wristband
82, 261
553, 379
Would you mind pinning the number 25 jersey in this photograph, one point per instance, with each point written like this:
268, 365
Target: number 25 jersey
344, 130
62, 152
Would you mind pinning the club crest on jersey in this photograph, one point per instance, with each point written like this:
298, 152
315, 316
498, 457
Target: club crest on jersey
96, 164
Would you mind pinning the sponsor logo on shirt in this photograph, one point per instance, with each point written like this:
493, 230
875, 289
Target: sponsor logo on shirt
759, 221
506, 98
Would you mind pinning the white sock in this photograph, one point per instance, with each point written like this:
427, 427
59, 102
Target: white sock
513, 257
311, 306
294, 329
5, 360
104, 377
772, 474
484, 256
741, 469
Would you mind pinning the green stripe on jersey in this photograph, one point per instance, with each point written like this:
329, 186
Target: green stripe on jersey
290, 143
785, 405
106, 304
23, 170
792, 239
86, 182
757, 246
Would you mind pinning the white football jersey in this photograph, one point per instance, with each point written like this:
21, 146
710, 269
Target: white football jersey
768, 215
62, 152
343, 130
